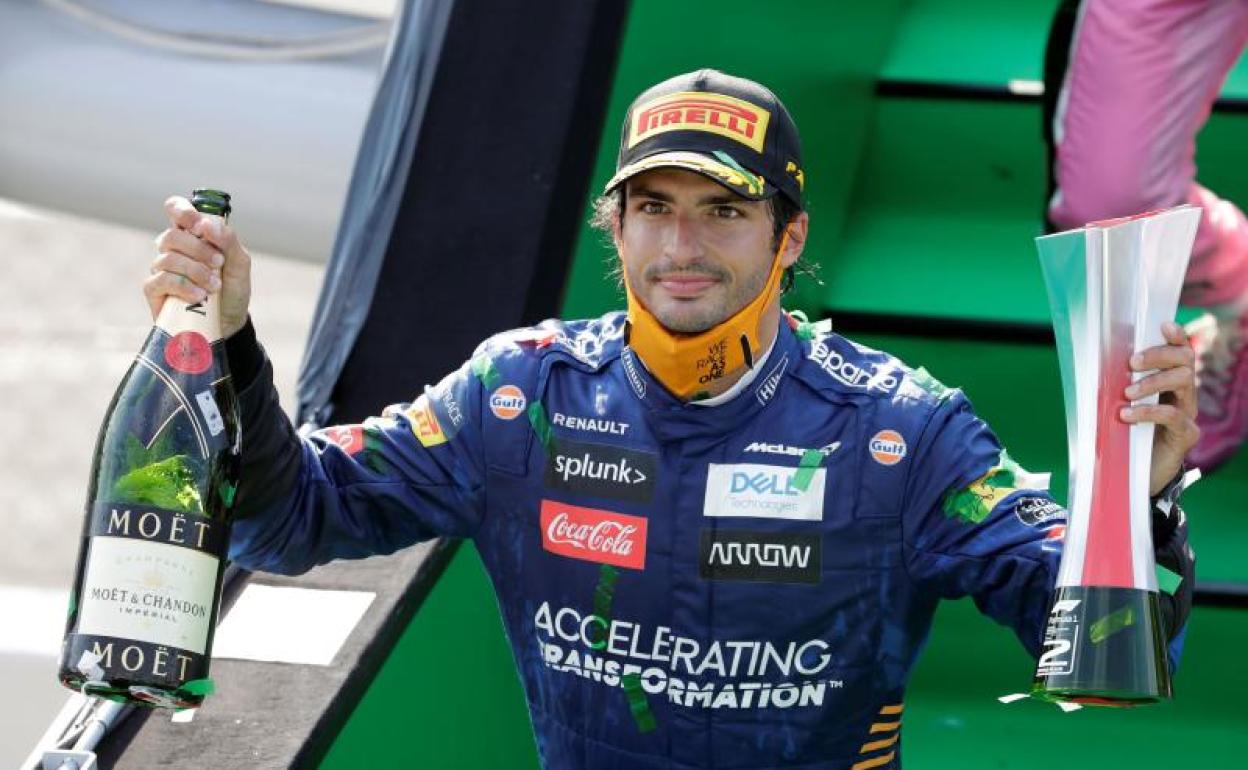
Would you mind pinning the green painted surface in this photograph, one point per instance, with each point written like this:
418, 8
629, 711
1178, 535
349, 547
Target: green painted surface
982, 42
953, 718
949, 201
448, 696
944, 214
979, 42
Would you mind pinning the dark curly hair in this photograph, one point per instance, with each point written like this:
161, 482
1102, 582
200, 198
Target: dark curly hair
609, 210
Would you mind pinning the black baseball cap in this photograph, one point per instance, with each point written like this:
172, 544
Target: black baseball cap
732, 130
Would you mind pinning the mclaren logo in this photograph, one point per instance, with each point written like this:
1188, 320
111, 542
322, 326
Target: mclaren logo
791, 451
766, 557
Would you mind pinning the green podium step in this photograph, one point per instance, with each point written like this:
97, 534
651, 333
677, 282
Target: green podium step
970, 42
949, 199
953, 719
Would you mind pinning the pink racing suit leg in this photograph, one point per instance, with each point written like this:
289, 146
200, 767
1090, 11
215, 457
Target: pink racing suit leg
1140, 83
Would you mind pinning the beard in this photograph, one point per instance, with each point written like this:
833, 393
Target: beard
724, 301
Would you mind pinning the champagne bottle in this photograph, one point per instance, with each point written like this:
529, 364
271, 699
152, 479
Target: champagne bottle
148, 582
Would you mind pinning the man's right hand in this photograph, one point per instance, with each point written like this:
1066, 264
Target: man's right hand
198, 255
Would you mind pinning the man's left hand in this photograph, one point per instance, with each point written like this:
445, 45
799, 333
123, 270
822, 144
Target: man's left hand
1175, 412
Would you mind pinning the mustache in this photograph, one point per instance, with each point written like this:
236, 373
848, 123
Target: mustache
694, 269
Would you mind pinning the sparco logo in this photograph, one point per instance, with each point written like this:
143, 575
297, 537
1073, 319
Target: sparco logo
767, 557
598, 469
594, 535
764, 491
849, 374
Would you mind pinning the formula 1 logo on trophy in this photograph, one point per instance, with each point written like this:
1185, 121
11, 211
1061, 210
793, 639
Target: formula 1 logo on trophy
1111, 285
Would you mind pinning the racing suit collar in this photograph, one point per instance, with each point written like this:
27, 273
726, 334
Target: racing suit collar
672, 418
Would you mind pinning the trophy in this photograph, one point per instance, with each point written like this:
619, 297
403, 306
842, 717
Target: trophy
1111, 285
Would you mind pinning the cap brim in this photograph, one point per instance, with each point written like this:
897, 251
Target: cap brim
740, 181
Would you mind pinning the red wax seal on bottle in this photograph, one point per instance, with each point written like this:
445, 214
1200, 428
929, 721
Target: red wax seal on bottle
188, 352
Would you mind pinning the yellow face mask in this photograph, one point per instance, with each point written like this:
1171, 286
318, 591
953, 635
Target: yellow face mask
688, 364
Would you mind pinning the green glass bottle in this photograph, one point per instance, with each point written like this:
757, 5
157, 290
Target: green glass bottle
148, 582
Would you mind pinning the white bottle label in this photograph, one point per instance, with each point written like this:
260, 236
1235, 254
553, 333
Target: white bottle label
151, 576
150, 592
212, 415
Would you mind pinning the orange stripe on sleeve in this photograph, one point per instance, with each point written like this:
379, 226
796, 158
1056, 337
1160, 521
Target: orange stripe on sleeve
876, 745
874, 761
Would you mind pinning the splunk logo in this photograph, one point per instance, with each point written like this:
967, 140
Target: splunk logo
764, 491
599, 469
766, 557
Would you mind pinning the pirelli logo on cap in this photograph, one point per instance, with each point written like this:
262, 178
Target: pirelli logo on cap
696, 111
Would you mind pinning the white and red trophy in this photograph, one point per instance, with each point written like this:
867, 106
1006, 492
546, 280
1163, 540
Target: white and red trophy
1111, 285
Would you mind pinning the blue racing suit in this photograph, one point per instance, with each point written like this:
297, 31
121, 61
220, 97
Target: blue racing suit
744, 585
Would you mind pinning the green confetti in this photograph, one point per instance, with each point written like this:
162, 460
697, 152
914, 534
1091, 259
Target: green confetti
227, 492
1167, 580
638, 704
203, 687
73, 605
973, 503
752, 180
926, 381
168, 484
483, 368
541, 425
604, 594
372, 455
1111, 624
811, 459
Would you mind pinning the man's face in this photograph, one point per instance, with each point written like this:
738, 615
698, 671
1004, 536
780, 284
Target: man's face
694, 252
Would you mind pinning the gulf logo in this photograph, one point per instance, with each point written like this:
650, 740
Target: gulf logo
887, 447
507, 402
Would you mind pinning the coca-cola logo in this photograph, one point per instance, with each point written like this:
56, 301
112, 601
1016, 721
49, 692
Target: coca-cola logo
589, 534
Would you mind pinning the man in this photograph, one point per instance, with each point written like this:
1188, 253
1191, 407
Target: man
717, 533
1128, 84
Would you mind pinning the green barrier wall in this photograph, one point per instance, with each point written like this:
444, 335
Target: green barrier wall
894, 185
